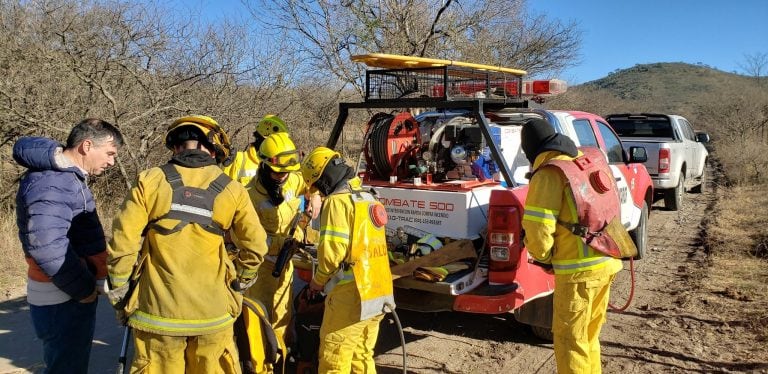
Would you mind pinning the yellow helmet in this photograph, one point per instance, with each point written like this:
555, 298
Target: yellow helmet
279, 152
214, 135
270, 124
314, 164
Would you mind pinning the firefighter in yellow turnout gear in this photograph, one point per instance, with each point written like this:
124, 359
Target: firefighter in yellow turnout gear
582, 275
245, 163
276, 193
168, 247
353, 267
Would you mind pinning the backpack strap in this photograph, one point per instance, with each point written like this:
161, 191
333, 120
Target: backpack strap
219, 184
172, 176
187, 214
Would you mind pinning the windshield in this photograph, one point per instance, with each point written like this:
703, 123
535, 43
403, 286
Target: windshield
642, 128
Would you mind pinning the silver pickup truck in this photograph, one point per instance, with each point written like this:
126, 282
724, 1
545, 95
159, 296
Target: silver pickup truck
676, 156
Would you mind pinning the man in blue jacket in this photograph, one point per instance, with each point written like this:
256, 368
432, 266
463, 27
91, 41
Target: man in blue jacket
62, 238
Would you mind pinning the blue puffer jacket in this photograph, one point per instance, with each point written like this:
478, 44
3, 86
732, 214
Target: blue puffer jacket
58, 225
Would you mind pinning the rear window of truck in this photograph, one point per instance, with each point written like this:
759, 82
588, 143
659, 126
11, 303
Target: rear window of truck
642, 128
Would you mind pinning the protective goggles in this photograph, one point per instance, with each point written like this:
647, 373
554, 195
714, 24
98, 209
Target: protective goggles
283, 159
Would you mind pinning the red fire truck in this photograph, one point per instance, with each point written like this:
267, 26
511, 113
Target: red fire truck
444, 157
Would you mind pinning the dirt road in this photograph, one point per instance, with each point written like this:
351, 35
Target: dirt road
670, 326
676, 323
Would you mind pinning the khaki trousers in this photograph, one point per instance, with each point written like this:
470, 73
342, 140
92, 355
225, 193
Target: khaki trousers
346, 344
579, 313
161, 354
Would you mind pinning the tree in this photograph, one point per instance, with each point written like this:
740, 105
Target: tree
327, 33
755, 65
134, 66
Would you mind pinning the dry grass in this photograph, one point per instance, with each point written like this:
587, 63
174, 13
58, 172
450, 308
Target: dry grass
12, 266
735, 272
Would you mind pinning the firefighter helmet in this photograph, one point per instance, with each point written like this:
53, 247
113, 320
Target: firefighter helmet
212, 135
279, 152
314, 164
270, 124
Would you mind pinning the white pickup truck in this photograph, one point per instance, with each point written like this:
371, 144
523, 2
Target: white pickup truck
676, 156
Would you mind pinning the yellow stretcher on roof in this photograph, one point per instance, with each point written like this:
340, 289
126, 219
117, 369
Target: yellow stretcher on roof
387, 61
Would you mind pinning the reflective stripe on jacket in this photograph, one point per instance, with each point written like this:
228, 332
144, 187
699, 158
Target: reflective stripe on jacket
185, 277
336, 218
277, 219
347, 237
244, 166
369, 259
550, 200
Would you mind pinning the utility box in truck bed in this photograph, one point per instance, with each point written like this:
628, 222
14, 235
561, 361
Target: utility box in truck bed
461, 214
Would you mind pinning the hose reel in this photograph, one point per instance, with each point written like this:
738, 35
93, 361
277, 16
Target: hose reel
392, 143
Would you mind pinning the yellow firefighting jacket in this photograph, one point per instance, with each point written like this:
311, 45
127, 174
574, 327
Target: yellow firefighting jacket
277, 219
353, 249
184, 278
550, 200
244, 166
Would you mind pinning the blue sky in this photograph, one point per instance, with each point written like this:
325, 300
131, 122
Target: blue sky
618, 34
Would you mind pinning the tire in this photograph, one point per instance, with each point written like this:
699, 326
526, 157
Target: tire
700, 188
640, 234
542, 333
673, 199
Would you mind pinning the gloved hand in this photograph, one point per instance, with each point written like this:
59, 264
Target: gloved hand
117, 295
315, 290
240, 285
547, 267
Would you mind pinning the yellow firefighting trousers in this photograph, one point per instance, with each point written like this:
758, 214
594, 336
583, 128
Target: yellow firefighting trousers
346, 344
161, 354
579, 313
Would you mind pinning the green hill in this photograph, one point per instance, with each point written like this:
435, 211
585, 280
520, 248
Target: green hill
669, 87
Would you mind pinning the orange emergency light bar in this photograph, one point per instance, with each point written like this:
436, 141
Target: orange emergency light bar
544, 87
530, 88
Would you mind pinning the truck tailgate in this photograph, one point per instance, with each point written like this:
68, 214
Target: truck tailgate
651, 146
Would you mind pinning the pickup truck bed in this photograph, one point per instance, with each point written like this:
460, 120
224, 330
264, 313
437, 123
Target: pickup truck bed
676, 155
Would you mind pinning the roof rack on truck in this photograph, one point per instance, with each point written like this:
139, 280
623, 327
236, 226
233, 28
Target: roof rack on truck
417, 82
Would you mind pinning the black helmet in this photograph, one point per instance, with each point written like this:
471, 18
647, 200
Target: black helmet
539, 136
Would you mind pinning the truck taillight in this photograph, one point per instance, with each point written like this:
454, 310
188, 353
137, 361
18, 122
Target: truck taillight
497, 238
505, 212
503, 236
499, 253
664, 160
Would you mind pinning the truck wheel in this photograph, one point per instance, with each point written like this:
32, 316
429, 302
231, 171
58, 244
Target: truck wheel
700, 187
673, 199
640, 234
542, 333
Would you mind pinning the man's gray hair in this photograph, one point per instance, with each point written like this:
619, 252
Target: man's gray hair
97, 130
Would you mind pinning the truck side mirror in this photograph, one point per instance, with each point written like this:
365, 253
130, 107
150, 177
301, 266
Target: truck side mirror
702, 137
637, 154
